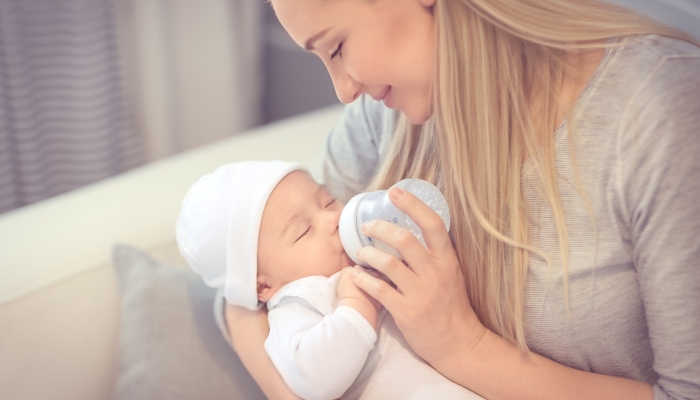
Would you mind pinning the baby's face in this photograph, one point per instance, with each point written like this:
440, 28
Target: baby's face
298, 235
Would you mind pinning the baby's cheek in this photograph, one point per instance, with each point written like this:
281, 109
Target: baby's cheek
338, 267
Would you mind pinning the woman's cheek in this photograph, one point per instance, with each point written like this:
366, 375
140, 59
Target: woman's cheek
364, 69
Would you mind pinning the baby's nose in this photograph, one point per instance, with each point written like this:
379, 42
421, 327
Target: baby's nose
332, 219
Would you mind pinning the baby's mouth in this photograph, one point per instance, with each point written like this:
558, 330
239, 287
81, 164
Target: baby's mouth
348, 260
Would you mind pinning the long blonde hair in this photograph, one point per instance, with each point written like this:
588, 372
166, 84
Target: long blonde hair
499, 68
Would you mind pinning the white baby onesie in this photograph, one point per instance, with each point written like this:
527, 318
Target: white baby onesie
328, 352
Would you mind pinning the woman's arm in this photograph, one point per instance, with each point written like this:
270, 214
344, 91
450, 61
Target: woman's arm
453, 340
248, 331
497, 369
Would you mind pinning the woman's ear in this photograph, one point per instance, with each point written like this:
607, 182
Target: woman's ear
265, 292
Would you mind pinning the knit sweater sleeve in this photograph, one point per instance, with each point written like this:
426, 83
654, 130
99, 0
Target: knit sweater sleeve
355, 147
658, 191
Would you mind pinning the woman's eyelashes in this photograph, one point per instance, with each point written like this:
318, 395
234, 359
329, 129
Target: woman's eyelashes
302, 235
330, 202
337, 51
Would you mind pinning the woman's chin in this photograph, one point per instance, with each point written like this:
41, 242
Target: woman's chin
418, 116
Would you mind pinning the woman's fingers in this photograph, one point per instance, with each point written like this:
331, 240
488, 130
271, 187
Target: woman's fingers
392, 267
397, 238
430, 224
377, 288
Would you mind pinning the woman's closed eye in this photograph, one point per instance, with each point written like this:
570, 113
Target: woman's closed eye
330, 202
303, 234
337, 51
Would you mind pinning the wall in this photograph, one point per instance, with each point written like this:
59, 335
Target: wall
192, 69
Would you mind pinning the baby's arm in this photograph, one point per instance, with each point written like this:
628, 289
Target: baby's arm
319, 357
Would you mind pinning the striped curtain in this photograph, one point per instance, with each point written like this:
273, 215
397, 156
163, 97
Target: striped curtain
63, 120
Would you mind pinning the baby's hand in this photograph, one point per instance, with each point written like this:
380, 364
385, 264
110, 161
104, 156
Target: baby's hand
351, 295
348, 289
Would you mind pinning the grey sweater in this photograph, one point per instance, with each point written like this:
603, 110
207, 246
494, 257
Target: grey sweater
635, 279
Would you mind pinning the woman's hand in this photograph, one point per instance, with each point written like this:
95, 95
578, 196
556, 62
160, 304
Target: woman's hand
430, 303
431, 307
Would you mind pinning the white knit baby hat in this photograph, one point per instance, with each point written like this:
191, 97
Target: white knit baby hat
219, 223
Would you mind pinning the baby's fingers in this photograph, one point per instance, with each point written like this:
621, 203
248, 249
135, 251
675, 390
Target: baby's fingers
346, 272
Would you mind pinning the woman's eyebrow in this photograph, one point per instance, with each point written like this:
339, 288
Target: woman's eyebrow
309, 45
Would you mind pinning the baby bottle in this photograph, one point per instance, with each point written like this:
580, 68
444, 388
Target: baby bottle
376, 205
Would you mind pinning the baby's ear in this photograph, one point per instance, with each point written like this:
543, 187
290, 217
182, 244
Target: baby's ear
264, 290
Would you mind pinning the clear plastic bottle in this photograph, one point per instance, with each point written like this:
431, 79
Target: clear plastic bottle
369, 206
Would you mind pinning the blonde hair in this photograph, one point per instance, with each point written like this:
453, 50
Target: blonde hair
499, 68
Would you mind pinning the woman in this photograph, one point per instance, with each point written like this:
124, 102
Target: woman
564, 135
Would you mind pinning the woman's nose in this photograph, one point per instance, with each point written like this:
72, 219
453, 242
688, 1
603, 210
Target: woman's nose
346, 88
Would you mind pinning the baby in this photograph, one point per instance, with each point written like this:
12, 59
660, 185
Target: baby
267, 233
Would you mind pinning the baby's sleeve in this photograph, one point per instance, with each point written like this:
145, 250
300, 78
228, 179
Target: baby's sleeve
318, 357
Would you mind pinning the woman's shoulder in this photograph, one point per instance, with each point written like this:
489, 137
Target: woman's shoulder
656, 125
663, 75
640, 59
648, 75
356, 146
643, 105
659, 46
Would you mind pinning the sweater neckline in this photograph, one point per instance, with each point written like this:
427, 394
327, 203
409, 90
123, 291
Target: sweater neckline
582, 98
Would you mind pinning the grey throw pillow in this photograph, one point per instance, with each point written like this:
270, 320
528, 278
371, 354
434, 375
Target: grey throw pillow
170, 345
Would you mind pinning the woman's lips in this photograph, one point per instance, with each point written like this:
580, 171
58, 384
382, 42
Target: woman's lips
384, 96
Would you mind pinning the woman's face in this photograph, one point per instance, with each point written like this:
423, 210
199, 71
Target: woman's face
384, 48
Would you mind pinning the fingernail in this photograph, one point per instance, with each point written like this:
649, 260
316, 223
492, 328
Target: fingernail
363, 227
356, 271
396, 194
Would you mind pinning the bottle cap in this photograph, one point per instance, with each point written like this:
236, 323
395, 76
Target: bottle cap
348, 229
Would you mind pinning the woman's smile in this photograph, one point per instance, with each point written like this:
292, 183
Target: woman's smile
383, 95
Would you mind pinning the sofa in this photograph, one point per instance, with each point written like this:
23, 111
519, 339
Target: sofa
60, 308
